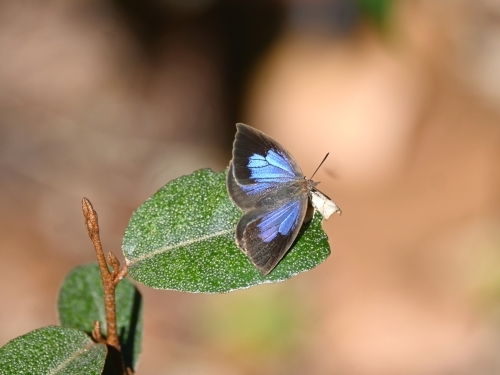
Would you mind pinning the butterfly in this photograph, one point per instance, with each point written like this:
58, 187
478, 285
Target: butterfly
266, 182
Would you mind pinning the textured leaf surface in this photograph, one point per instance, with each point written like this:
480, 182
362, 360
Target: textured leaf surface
182, 238
81, 302
52, 351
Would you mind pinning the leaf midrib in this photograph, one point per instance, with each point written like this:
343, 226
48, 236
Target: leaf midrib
178, 245
76, 354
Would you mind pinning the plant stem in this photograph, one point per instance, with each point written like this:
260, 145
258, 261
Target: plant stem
109, 279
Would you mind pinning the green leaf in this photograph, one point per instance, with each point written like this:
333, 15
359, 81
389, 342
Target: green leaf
54, 351
81, 302
182, 238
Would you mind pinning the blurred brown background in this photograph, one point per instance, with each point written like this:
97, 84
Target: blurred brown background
112, 99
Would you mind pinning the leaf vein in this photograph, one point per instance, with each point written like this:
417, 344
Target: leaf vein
177, 245
76, 354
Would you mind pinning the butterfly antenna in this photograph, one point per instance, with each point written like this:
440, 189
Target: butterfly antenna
320, 164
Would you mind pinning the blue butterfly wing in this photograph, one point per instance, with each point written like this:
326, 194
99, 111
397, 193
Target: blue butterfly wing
267, 232
238, 195
260, 163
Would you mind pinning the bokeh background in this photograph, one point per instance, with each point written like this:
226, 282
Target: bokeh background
111, 99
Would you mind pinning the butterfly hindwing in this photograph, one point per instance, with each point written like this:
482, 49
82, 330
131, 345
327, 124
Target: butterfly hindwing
265, 234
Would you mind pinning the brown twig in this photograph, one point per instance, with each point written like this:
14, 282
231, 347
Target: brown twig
96, 333
109, 280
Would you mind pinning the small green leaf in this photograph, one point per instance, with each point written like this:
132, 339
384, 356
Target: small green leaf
54, 351
81, 302
182, 238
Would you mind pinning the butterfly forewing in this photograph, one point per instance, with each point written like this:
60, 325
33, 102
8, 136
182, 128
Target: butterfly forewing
258, 159
246, 196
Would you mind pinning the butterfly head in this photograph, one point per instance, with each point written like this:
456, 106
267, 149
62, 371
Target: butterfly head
311, 184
